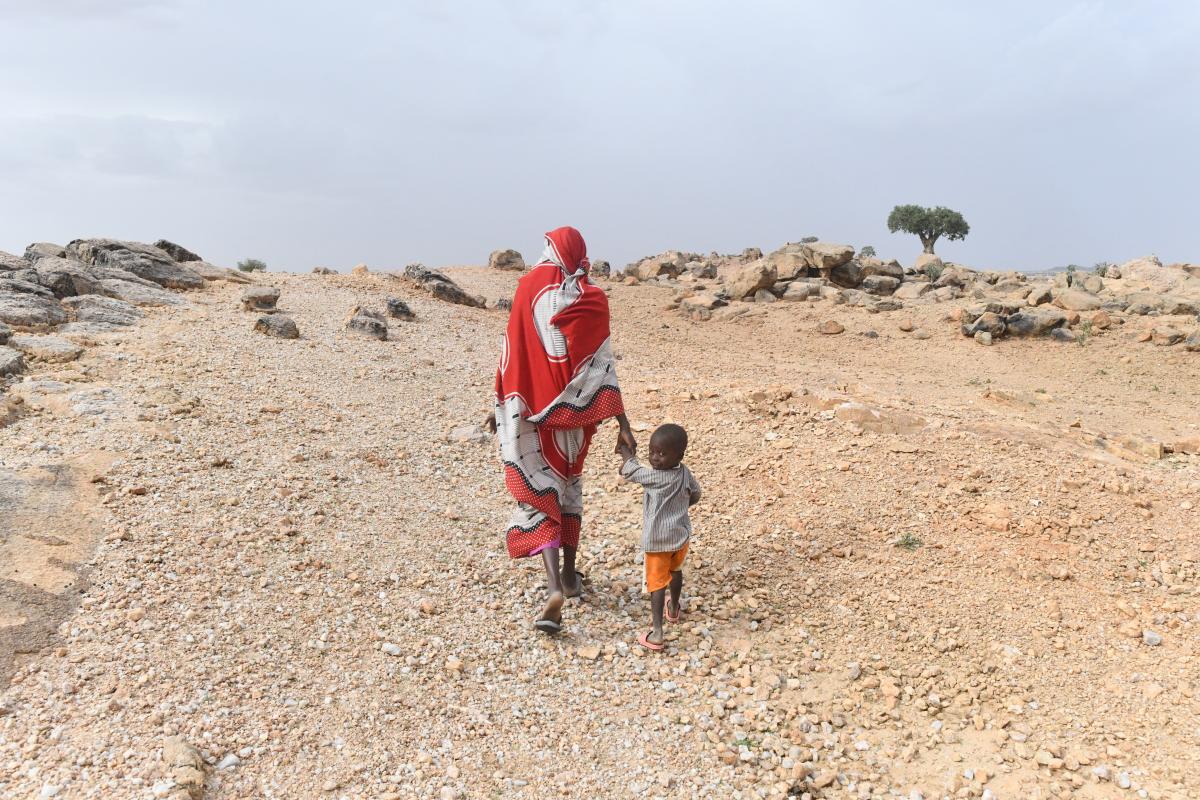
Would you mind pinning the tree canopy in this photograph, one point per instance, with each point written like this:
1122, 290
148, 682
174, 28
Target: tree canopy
928, 224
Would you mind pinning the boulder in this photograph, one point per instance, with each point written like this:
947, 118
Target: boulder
11, 263
988, 322
211, 272
749, 279
825, 256
32, 311
750, 254
1040, 296
1077, 300
277, 326
888, 269
368, 323
42, 249
1172, 304
984, 338
94, 308
440, 286
64, 277
927, 262
911, 290
1162, 336
506, 259
1100, 321
1063, 334
360, 271
260, 298
1150, 272
143, 260
789, 262
54, 349
800, 290
600, 269
1088, 283
139, 293
701, 269
25, 282
955, 276
1139, 304
880, 285
177, 252
398, 309
1191, 343
11, 362
324, 271
1035, 321
668, 264
5, 332
848, 275
765, 296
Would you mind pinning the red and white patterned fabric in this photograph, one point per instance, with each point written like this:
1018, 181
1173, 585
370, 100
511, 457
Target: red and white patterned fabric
556, 381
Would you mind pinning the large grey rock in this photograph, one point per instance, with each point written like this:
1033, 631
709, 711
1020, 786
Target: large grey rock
1172, 304
747, 280
24, 282
10, 263
928, 262
143, 260
1040, 295
988, 322
668, 264
100, 310
277, 326
211, 272
54, 349
600, 269
880, 285
42, 249
825, 256
139, 294
367, 323
800, 290
11, 361
1035, 321
1142, 303
506, 259
32, 311
5, 332
789, 262
875, 266
177, 252
64, 277
848, 275
398, 309
911, 290
1192, 343
1077, 300
441, 286
260, 298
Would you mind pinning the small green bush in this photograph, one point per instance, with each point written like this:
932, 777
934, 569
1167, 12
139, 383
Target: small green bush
252, 265
934, 270
867, 252
1101, 268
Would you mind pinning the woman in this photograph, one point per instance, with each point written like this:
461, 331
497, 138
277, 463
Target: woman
556, 381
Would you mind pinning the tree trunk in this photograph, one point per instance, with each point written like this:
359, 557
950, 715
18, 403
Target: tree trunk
927, 243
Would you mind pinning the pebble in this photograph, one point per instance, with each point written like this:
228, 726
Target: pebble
229, 762
1123, 780
1151, 638
390, 649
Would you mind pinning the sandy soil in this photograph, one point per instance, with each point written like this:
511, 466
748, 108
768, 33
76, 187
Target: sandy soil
921, 567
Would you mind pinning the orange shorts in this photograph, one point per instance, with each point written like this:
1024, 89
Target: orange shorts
659, 567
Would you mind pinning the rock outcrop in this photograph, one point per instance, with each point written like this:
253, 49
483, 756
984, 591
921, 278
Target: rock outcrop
506, 259
441, 287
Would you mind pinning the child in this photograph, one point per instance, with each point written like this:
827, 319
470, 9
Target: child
670, 490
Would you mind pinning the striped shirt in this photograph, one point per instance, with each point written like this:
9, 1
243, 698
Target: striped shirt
666, 526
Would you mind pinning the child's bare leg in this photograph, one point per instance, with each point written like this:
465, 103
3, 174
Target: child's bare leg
571, 584
554, 601
676, 591
656, 614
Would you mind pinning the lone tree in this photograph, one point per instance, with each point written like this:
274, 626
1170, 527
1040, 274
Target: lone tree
928, 224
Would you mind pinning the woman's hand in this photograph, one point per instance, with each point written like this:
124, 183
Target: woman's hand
625, 438
489, 422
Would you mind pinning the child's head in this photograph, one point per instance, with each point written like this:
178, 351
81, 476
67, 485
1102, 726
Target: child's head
667, 445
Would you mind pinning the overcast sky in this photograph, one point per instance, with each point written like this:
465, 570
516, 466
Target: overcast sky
318, 133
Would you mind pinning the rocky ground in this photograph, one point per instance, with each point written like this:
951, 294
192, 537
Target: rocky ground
922, 568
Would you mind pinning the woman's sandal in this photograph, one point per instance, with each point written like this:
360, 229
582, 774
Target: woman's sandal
644, 641
667, 612
579, 580
548, 626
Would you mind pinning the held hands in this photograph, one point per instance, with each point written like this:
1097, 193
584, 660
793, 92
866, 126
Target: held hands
626, 444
